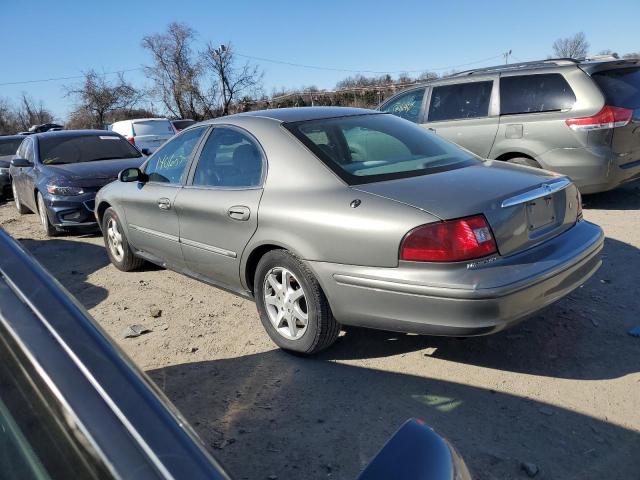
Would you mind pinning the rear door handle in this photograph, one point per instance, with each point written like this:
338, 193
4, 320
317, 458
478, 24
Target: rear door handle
239, 212
164, 204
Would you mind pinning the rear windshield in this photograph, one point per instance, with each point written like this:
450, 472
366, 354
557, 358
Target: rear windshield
621, 87
9, 146
59, 150
153, 127
370, 148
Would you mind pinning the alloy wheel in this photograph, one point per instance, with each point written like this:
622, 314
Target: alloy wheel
286, 303
114, 238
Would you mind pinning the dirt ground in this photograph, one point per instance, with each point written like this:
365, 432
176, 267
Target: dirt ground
561, 391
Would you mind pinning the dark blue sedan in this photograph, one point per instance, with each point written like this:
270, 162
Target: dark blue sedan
57, 174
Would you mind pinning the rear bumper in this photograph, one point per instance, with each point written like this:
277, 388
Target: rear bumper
480, 301
71, 212
592, 170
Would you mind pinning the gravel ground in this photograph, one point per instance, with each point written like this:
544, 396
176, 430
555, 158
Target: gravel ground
560, 391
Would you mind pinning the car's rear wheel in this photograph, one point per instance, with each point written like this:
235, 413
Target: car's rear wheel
16, 199
47, 227
529, 162
116, 243
293, 308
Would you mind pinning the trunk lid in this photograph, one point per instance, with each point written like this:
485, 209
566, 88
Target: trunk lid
524, 206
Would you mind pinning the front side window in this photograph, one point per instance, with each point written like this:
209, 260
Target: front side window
370, 148
457, 102
229, 158
406, 106
64, 149
547, 92
10, 146
167, 164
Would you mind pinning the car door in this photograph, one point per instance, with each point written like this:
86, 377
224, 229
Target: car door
218, 208
466, 113
149, 206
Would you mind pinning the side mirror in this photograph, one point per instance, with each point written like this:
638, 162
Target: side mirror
416, 451
132, 175
146, 151
20, 162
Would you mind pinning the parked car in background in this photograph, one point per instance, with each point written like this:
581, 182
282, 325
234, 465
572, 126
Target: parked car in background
8, 146
578, 118
365, 219
180, 125
57, 174
145, 133
45, 127
72, 405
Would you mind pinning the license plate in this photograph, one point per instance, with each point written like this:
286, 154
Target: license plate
540, 212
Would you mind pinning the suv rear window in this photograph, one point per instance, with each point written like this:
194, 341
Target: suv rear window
464, 100
63, 149
547, 92
153, 127
621, 87
370, 148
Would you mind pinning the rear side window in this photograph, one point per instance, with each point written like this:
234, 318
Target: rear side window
153, 127
464, 100
547, 92
63, 149
621, 87
406, 106
9, 147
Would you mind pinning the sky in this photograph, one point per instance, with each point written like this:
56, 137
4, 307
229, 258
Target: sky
63, 38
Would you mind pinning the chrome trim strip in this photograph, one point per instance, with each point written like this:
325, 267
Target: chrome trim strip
541, 191
155, 233
209, 248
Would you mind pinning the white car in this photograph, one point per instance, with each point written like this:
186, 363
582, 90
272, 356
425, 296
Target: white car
145, 133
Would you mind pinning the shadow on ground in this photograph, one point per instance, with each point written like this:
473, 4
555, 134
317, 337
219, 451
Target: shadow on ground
71, 263
263, 415
626, 197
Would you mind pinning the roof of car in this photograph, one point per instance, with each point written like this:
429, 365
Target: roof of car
135, 120
12, 137
299, 114
74, 133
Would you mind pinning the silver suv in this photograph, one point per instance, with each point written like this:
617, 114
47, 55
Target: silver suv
579, 118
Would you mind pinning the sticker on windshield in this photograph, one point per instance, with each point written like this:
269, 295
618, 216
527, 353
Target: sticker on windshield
108, 137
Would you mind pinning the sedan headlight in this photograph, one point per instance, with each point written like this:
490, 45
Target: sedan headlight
64, 191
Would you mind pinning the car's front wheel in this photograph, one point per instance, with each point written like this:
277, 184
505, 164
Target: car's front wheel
116, 243
47, 227
293, 308
16, 199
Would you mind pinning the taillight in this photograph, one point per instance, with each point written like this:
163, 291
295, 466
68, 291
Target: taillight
131, 140
608, 117
450, 241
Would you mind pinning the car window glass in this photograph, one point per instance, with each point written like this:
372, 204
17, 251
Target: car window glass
535, 93
621, 87
406, 106
65, 149
464, 100
9, 147
168, 163
229, 158
153, 127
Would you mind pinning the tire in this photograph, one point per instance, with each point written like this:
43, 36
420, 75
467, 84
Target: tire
287, 311
528, 162
19, 206
49, 230
115, 241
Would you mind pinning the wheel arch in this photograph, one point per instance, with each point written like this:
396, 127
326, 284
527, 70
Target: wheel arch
509, 155
100, 209
253, 258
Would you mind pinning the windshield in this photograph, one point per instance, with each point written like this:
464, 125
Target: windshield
9, 146
63, 149
621, 86
153, 127
371, 148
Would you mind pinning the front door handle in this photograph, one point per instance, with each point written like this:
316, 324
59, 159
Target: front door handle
239, 212
164, 204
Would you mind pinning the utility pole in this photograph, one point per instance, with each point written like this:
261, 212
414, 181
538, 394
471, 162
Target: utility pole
506, 56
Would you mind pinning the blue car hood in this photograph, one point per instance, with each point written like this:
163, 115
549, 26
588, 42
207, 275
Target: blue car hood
97, 173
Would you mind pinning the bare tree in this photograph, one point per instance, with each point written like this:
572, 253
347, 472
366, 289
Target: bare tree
177, 73
571, 47
8, 119
233, 81
97, 97
29, 112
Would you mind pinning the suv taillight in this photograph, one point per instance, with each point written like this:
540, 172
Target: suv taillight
450, 241
131, 140
608, 117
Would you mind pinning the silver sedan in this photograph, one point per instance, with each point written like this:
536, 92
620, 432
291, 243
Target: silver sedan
338, 216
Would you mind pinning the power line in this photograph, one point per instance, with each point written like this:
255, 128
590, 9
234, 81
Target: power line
55, 79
